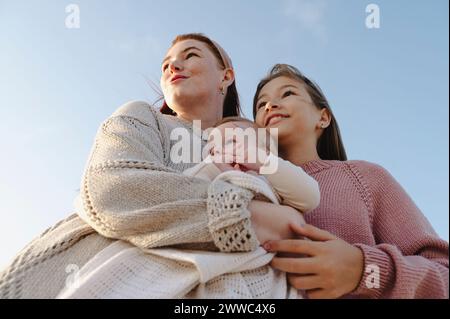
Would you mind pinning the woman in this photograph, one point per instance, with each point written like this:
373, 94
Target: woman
131, 189
369, 240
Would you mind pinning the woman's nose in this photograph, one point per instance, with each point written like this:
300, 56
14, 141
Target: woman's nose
174, 66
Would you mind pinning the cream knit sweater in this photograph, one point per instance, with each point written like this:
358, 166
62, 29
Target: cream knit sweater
131, 190
124, 271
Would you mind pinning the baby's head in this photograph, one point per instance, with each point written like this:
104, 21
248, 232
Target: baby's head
234, 122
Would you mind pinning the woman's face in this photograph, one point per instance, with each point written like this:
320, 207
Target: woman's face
285, 104
190, 74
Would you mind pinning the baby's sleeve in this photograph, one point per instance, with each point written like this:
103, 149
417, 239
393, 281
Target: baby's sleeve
296, 188
206, 170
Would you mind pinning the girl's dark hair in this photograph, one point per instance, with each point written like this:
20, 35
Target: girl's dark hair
329, 145
231, 104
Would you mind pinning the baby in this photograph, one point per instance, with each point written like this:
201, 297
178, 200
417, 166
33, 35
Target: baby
289, 183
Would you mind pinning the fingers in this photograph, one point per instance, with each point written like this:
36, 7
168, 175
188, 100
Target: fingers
295, 265
305, 282
223, 158
297, 246
312, 232
236, 151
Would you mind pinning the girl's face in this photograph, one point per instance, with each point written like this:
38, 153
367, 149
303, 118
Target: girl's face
285, 104
190, 74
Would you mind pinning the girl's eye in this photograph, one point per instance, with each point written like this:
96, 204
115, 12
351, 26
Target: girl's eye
260, 105
165, 66
287, 93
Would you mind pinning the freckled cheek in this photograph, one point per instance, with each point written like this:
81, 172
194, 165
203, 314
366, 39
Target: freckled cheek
196, 69
206, 84
204, 73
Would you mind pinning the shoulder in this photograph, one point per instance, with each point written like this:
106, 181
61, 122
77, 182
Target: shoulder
367, 169
139, 110
146, 114
374, 176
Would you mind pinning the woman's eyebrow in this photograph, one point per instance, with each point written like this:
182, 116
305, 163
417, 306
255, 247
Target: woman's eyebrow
185, 50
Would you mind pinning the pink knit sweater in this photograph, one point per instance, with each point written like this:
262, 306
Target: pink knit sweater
364, 205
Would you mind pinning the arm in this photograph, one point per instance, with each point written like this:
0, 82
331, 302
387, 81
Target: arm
296, 188
271, 221
412, 259
206, 170
129, 193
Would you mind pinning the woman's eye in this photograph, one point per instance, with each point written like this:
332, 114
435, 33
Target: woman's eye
287, 93
191, 54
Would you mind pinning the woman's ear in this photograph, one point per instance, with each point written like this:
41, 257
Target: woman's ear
325, 119
228, 78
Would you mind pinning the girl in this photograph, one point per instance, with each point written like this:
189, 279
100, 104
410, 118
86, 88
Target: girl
369, 239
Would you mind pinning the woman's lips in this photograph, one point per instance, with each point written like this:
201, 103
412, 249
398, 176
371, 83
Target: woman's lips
178, 78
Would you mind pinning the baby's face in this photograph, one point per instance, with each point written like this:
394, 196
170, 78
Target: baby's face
226, 137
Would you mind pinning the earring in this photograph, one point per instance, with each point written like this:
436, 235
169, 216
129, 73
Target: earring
222, 91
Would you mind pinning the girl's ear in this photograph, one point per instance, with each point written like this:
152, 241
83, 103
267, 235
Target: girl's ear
325, 119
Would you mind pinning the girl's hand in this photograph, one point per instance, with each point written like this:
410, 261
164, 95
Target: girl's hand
332, 269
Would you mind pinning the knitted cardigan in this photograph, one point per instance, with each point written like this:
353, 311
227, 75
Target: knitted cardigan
360, 203
131, 190
124, 271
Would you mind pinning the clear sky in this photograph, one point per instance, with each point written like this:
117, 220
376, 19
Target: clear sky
388, 87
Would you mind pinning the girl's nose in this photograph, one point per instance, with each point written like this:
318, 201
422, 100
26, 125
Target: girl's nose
270, 105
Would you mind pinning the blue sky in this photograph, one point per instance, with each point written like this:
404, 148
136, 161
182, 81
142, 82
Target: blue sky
388, 87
